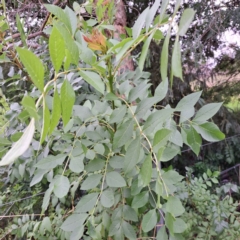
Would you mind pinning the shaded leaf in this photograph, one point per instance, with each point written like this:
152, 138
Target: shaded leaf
174, 206
137, 27
129, 231
91, 182
94, 80
149, 220
144, 52
107, 198
140, 200
114, 179
176, 60
132, 155
73, 222
164, 58
123, 134
146, 170
51, 162
61, 186
87, 202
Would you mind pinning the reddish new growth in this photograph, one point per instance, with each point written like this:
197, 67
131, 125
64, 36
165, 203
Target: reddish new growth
96, 41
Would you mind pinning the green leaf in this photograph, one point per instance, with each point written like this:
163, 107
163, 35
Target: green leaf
60, 14
77, 233
210, 132
157, 119
51, 162
169, 220
46, 198
33, 66
158, 35
164, 58
111, 97
145, 105
71, 46
137, 27
161, 90
174, 206
129, 231
67, 100
87, 202
45, 225
107, 198
118, 114
140, 200
73, 222
56, 112
144, 52
61, 186
20, 146
185, 21
151, 14
138, 91
162, 234
95, 165
206, 112
161, 137
67, 60
20, 29
186, 114
115, 228
76, 164
129, 214
176, 60
163, 9
169, 152
146, 170
56, 48
93, 79
46, 121
149, 220
38, 175
177, 5
124, 49
114, 179
91, 182
116, 162
132, 155
179, 226
72, 19
119, 45
29, 105
123, 134
188, 101
193, 139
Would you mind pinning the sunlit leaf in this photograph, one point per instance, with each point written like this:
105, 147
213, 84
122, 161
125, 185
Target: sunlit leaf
33, 66
67, 101
20, 146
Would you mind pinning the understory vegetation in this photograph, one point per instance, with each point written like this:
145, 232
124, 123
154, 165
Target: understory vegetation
89, 151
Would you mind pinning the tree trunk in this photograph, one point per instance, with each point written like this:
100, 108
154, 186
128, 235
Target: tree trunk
120, 23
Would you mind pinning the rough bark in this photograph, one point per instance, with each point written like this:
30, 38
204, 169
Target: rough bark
120, 23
